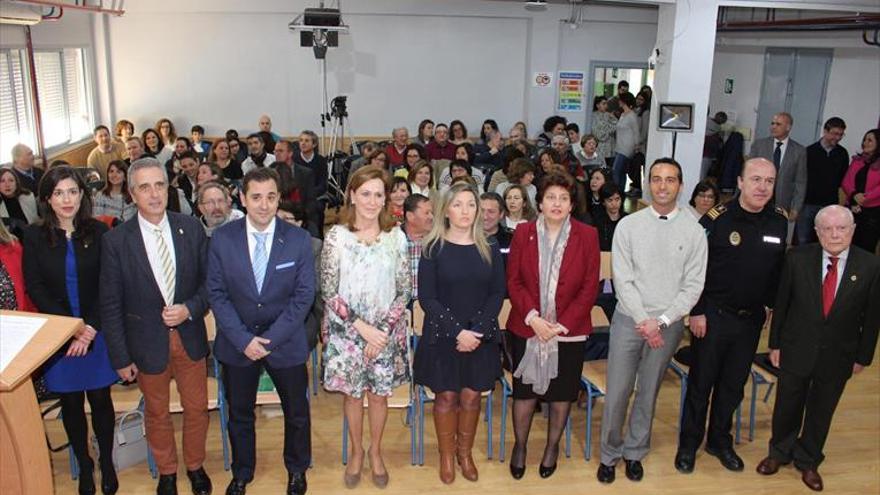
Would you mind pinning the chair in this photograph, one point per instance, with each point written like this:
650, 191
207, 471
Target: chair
762, 373
594, 374
425, 395
507, 393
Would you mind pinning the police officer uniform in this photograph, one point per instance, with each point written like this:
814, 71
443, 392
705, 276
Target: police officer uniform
746, 251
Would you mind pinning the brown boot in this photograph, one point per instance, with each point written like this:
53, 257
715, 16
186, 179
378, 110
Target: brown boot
446, 424
467, 430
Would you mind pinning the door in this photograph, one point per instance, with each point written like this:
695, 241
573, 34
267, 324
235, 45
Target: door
794, 81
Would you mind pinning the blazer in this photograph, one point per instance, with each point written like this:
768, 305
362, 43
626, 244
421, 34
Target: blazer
807, 340
26, 181
45, 271
28, 204
131, 302
791, 183
578, 279
278, 312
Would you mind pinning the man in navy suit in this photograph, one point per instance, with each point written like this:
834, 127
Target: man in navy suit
153, 304
260, 302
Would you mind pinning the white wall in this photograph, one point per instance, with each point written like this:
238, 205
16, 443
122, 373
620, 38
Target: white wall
853, 84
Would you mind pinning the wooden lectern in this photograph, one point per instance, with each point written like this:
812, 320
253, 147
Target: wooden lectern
24, 457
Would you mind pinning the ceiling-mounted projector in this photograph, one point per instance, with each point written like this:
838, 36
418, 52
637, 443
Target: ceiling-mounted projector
536, 5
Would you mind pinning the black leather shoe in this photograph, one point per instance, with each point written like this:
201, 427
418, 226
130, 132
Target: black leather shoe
546, 471
296, 484
167, 484
728, 458
634, 471
236, 487
605, 474
109, 481
684, 461
517, 472
201, 483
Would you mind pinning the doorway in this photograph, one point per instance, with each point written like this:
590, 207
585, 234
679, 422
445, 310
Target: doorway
794, 81
606, 75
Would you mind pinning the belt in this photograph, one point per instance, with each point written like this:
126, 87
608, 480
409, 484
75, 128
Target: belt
738, 312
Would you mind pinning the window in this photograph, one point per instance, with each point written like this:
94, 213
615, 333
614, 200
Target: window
65, 98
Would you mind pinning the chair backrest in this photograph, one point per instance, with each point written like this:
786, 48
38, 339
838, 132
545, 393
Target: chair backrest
598, 318
504, 314
605, 266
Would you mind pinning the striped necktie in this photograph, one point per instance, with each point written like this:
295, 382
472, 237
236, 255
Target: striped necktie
260, 260
167, 264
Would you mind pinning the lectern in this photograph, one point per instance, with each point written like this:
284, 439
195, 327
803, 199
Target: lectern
24, 458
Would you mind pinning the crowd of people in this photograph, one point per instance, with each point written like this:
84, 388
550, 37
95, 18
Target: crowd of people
161, 228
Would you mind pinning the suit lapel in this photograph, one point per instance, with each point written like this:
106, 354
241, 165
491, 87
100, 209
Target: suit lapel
815, 282
136, 245
178, 239
274, 252
847, 282
242, 247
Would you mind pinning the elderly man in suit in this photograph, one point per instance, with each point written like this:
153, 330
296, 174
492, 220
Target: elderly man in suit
790, 159
153, 303
824, 329
261, 284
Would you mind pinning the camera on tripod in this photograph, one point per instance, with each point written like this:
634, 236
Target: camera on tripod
338, 108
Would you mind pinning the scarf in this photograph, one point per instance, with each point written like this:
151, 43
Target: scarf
540, 362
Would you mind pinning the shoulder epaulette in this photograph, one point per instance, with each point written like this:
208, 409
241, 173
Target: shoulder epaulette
781, 211
716, 212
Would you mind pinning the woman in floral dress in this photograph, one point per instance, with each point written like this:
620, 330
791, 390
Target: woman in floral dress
366, 284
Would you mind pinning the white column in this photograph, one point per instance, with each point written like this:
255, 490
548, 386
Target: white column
686, 40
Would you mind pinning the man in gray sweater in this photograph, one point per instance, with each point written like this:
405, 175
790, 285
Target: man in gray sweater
659, 257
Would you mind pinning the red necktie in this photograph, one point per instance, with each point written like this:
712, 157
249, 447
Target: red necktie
829, 285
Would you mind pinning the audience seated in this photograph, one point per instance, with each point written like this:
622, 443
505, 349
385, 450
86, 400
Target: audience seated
426, 132
114, 199
421, 179
201, 147
166, 131
397, 149
16, 202
440, 148
257, 154
705, 196
553, 126
105, 151
522, 173
23, 165
265, 123
215, 206
518, 208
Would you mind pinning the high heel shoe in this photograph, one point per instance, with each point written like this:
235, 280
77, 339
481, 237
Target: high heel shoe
517, 472
546, 471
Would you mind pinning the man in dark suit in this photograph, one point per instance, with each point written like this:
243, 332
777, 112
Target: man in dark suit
297, 183
790, 159
824, 329
23, 165
153, 303
260, 302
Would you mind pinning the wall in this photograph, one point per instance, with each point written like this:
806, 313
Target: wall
853, 84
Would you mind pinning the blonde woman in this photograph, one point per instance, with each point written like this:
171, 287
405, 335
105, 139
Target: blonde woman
366, 284
461, 288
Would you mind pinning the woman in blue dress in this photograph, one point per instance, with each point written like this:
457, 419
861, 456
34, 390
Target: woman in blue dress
61, 263
461, 288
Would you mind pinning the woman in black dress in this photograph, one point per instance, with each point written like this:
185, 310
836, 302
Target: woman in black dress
461, 288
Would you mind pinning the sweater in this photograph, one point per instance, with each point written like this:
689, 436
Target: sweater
627, 134
825, 171
659, 266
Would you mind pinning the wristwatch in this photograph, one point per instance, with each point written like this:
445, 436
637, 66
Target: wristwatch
662, 325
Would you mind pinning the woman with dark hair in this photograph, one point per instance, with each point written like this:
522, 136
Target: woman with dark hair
411, 156
704, 197
552, 280
519, 208
862, 187
221, 154
115, 199
236, 147
598, 178
461, 288
123, 130
588, 155
604, 126
166, 131
488, 125
554, 125
426, 132
366, 283
62, 261
522, 173
400, 190
421, 179
16, 202
457, 132
464, 152
153, 146
509, 154
547, 157
607, 217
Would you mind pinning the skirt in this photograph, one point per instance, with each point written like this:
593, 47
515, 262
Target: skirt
567, 384
442, 368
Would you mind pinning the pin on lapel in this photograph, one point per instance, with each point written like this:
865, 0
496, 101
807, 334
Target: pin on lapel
854, 278
180, 231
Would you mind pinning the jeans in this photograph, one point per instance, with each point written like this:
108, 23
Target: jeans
619, 169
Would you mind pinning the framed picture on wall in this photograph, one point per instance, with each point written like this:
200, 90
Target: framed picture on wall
676, 117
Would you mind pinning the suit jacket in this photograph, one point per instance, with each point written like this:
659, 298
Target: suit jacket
28, 183
45, 271
303, 180
131, 302
576, 289
278, 312
791, 182
807, 340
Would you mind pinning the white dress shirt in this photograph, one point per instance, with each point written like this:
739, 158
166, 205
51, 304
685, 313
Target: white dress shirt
148, 232
781, 150
252, 242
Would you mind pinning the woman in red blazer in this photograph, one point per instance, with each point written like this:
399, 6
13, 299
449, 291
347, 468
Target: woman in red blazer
552, 280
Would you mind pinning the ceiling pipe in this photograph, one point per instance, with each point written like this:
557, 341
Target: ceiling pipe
51, 15
845, 23
64, 5
32, 76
